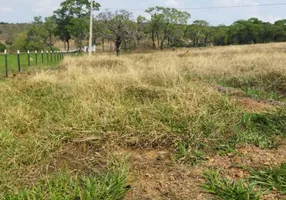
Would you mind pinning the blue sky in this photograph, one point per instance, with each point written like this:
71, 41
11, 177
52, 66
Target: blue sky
25, 10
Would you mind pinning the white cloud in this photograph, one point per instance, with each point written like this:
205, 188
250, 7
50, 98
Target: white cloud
268, 18
244, 12
235, 2
42, 6
172, 3
6, 9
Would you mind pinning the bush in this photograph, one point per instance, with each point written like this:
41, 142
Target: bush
2, 47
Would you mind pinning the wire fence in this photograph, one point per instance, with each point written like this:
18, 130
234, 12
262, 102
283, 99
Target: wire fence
13, 63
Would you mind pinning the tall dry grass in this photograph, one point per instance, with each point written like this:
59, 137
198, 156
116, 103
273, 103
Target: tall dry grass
154, 100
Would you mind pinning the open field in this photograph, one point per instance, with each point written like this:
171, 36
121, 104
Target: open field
13, 62
187, 124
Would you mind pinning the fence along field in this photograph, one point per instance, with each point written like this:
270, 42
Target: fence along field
13, 63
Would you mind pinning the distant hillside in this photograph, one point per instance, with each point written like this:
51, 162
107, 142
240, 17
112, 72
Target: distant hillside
8, 32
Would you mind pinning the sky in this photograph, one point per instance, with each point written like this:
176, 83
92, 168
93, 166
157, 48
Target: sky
18, 11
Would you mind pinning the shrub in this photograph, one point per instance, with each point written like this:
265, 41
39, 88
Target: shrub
2, 47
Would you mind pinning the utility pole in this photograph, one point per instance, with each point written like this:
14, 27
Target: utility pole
90, 29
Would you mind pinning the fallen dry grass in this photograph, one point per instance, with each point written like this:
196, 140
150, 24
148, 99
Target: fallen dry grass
74, 118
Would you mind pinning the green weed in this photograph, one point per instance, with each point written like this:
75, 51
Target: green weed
261, 129
224, 189
184, 155
270, 85
111, 185
270, 178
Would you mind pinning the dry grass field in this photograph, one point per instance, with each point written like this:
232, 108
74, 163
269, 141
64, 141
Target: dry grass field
188, 124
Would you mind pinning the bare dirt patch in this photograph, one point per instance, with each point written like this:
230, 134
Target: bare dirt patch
81, 158
235, 164
273, 196
253, 106
230, 91
263, 157
155, 176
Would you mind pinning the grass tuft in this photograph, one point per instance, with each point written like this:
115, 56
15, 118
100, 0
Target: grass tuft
262, 129
270, 179
110, 185
224, 189
184, 155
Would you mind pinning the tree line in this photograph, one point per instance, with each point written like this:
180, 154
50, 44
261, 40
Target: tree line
164, 28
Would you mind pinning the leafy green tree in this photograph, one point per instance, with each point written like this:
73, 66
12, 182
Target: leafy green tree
20, 43
199, 33
40, 34
155, 25
141, 29
78, 28
50, 28
65, 18
280, 30
220, 35
101, 32
165, 23
119, 27
245, 31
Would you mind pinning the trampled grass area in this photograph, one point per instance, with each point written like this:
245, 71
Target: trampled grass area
34, 61
155, 125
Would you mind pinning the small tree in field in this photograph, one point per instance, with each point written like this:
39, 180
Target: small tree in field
119, 26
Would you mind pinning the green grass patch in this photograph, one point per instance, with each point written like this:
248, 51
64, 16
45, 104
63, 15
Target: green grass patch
111, 185
258, 129
184, 155
13, 61
270, 178
270, 85
224, 189
261, 129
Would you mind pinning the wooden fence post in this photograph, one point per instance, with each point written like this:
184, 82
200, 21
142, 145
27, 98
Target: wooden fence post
19, 62
42, 53
6, 64
29, 61
36, 55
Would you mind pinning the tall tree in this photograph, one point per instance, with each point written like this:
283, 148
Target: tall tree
50, 27
101, 32
40, 34
119, 25
199, 33
280, 30
220, 35
165, 22
66, 15
140, 29
78, 28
